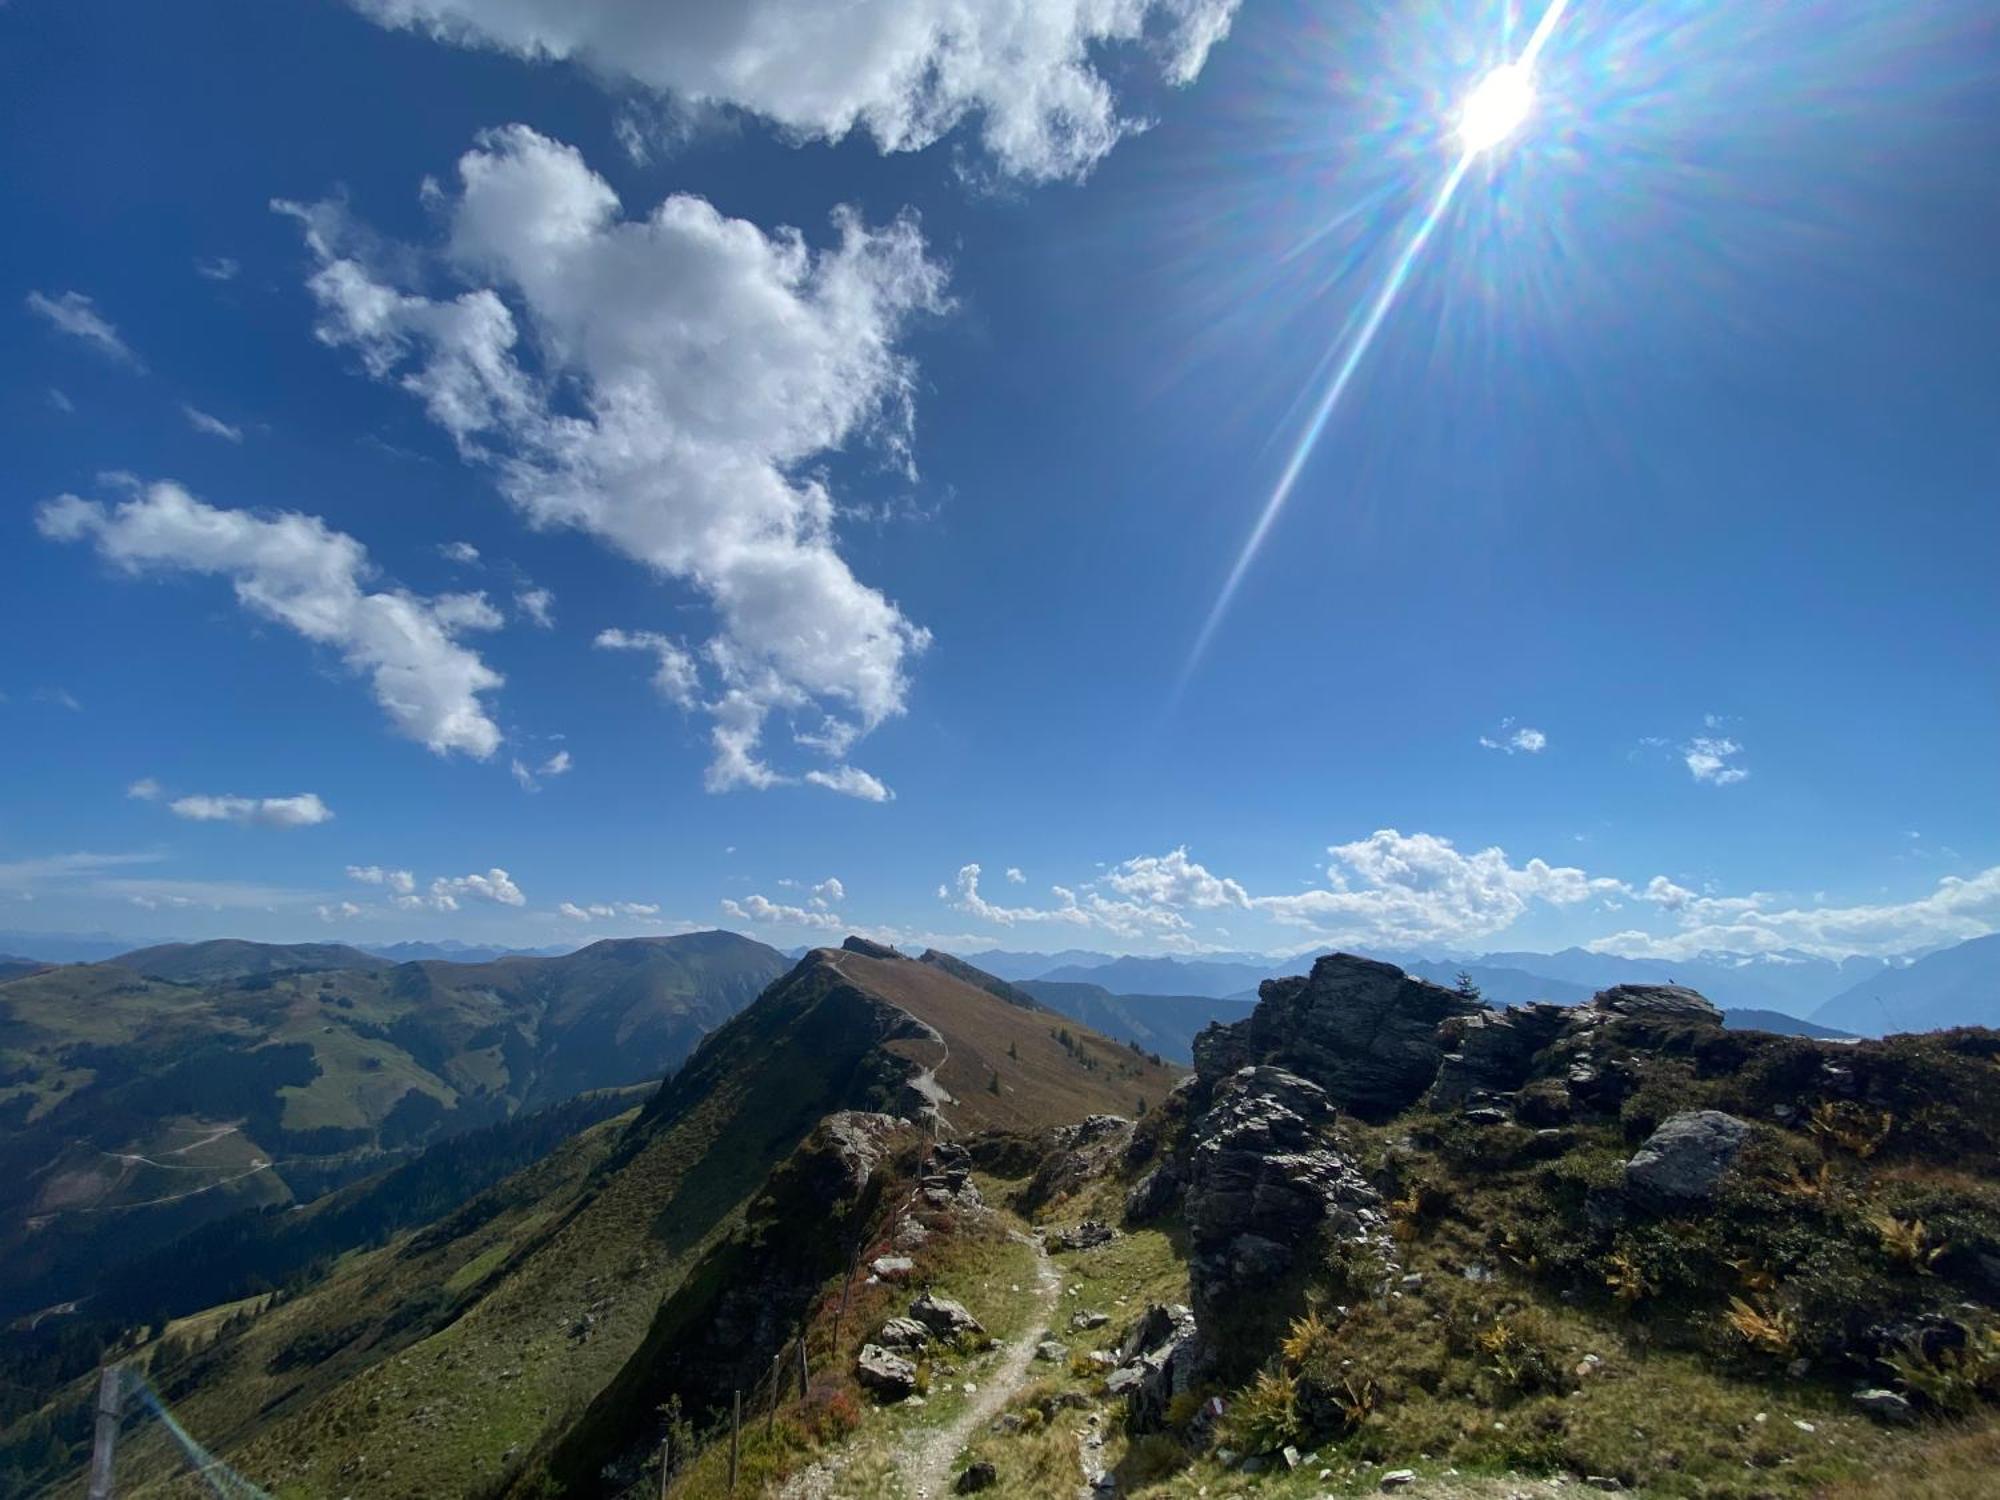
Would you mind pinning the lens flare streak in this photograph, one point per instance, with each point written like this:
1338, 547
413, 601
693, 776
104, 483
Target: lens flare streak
1357, 350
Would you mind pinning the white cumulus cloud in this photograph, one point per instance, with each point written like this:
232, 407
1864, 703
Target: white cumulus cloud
495, 886
1515, 739
668, 384
145, 789
463, 553
1400, 889
398, 882
296, 570
1713, 759
1172, 879
906, 72
1121, 918
302, 811
605, 910
758, 909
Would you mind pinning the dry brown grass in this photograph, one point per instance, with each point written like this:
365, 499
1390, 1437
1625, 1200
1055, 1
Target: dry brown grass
1042, 1083
1961, 1464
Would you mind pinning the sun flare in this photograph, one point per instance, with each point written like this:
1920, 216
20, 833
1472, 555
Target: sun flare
1496, 107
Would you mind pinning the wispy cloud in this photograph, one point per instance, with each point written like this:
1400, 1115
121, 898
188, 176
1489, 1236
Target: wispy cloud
1515, 739
213, 426
75, 314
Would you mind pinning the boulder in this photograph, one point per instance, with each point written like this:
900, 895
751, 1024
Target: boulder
1051, 1352
902, 1333
944, 1317
1366, 1032
1673, 1003
1079, 1154
890, 1376
976, 1477
1885, 1406
1686, 1157
1085, 1236
1083, 1322
1159, 1325
892, 1267
1123, 1380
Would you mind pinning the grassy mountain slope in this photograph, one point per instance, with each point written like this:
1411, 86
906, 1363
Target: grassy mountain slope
223, 959
508, 1319
132, 1109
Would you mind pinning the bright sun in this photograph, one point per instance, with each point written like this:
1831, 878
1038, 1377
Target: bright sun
1495, 109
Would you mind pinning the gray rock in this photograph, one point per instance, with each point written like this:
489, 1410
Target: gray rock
944, 1317
1657, 1002
1085, 1236
1686, 1157
1083, 1322
1159, 1325
1261, 1181
1153, 1194
892, 1267
902, 1333
1885, 1406
977, 1477
1124, 1379
1051, 1351
1364, 1031
1491, 1051
890, 1376
1396, 1479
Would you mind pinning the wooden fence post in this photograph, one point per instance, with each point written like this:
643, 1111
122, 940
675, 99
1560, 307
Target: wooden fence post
666, 1464
735, 1430
802, 1367
771, 1411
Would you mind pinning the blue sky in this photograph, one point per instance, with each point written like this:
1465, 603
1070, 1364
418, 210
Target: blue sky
585, 470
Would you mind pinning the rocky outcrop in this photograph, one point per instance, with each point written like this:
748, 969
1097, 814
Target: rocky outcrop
944, 1317
889, 1376
1262, 1181
1686, 1157
1153, 1194
1078, 1154
1490, 1052
1160, 1359
1366, 1032
902, 1333
945, 1180
1674, 1003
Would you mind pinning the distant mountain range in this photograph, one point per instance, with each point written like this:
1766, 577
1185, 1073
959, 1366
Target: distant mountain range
142, 1097
1957, 986
1853, 996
